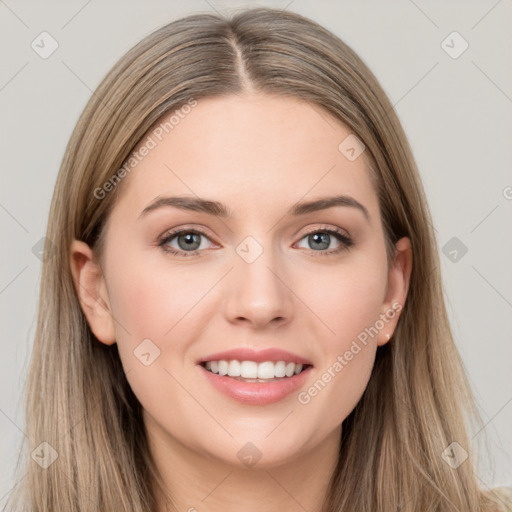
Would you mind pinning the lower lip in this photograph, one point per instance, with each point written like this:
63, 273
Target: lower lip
256, 393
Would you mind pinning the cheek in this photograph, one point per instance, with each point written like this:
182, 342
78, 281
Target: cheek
163, 304
348, 299
153, 317
142, 305
149, 300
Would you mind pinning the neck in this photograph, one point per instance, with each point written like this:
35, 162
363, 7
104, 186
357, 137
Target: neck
197, 482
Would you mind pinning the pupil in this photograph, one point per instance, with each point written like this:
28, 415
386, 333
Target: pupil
322, 239
190, 238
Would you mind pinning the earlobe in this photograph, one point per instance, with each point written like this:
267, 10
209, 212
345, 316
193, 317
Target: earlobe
398, 287
92, 292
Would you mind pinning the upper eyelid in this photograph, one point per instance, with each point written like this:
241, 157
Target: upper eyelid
173, 232
328, 228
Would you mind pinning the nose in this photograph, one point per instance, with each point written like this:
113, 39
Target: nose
258, 292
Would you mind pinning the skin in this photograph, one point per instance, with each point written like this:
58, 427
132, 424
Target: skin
259, 155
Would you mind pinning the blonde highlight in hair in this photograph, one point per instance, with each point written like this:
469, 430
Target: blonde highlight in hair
78, 399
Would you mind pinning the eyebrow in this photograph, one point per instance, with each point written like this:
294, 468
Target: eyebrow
218, 209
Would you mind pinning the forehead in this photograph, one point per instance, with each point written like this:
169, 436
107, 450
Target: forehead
247, 151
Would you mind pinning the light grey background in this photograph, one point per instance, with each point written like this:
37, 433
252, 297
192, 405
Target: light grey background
455, 111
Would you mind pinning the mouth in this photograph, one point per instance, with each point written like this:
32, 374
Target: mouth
253, 371
255, 377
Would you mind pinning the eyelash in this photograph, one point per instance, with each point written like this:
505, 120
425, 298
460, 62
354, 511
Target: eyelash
346, 242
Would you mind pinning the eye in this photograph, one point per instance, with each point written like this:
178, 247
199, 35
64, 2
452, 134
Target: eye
187, 242
321, 239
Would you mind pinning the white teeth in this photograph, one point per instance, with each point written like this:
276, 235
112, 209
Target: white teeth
266, 370
249, 370
223, 367
234, 368
280, 369
253, 370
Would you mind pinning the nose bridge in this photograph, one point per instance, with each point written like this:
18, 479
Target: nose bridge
257, 290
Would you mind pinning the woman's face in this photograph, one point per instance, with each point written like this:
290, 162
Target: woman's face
241, 263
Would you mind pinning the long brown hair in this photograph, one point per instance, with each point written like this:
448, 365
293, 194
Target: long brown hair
78, 400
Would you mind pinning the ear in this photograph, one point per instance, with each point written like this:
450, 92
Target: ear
92, 293
398, 286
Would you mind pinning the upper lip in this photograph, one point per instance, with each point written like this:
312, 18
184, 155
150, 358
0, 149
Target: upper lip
259, 356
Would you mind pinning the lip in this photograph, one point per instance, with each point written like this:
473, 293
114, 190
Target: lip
259, 356
256, 393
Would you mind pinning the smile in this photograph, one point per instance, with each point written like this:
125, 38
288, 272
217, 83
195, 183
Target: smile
252, 371
255, 390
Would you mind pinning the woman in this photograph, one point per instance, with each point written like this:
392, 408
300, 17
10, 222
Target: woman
245, 308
